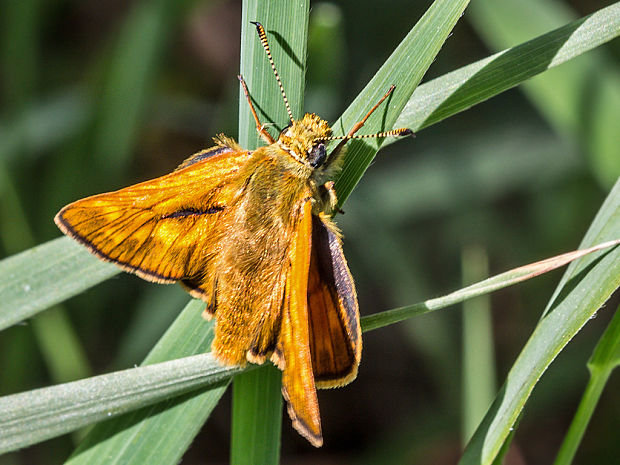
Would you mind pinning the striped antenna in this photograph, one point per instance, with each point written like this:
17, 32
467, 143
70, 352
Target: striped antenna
263, 40
359, 124
337, 152
393, 132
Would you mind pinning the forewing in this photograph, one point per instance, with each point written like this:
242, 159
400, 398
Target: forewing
293, 350
335, 333
159, 229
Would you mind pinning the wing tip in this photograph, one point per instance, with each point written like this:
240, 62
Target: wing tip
314, 436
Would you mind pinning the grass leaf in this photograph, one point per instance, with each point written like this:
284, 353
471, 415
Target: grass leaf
500, 281
161, 432
582, 99
584, 288
404, 68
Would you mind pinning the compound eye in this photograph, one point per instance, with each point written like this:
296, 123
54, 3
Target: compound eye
285, 128
317, 155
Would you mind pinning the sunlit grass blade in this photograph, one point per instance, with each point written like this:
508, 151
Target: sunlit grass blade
99, 398
604, 360
46, 275
454, 92
585, 287
257, 402
257, 416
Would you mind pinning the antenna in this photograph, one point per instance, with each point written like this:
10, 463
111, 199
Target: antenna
357, 126
263, 40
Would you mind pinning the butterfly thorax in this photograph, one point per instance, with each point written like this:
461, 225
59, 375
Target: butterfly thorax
304, 140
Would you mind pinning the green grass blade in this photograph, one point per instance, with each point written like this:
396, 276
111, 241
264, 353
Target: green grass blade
459, 90
161, 433
604, 360
30, 417
585, 287
46, 275
257, 417
494, 283
404, 68
257, 402
478, 375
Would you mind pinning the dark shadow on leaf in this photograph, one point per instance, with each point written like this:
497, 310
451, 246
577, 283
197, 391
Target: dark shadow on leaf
287, 49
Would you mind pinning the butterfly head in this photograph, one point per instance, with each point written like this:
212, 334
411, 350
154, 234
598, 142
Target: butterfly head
305, 139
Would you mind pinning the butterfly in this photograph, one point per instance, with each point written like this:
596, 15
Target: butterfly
249, 232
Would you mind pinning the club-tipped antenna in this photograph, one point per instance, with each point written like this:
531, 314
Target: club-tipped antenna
351, 135
394, 132
263, 40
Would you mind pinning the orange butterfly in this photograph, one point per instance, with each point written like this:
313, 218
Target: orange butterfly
251, 234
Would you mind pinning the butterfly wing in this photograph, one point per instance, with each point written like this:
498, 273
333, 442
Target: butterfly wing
161, 229
335, 333
292, 353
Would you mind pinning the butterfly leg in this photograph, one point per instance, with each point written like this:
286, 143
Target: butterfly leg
259, 126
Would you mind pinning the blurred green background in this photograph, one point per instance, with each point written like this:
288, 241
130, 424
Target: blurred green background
96, 95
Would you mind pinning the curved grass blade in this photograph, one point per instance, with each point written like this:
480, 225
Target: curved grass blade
59, 409
586, 285
582, 100
500, 281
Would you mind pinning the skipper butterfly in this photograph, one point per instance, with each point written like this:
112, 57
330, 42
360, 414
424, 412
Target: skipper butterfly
251, 234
